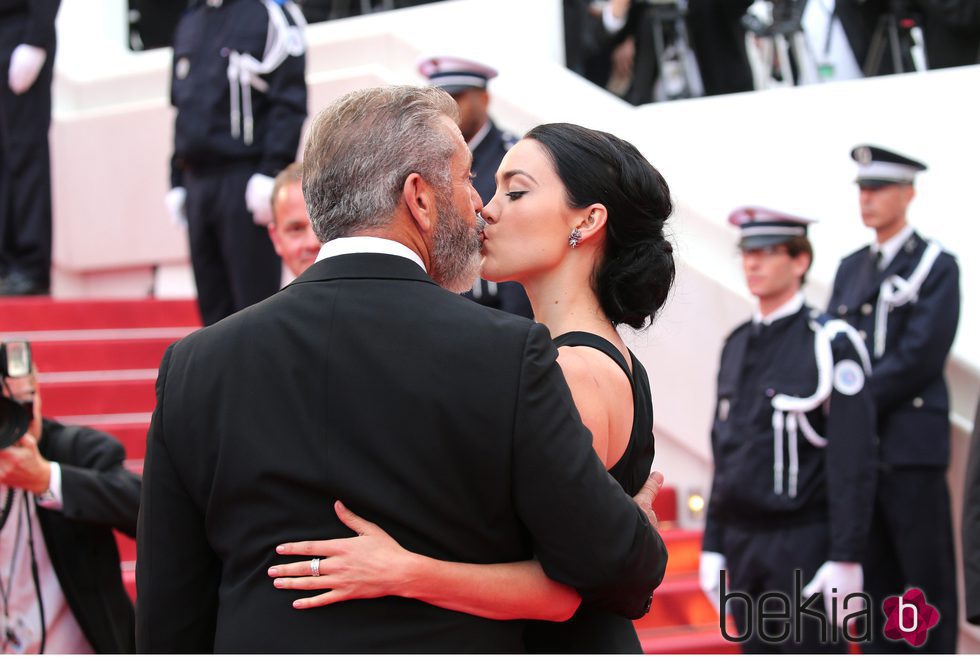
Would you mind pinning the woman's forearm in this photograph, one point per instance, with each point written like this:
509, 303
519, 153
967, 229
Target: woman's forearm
504, 591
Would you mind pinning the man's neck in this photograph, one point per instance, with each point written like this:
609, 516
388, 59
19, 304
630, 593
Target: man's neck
885, 233
770, 304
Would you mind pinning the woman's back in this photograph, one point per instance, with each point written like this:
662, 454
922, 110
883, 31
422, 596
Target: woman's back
591, 630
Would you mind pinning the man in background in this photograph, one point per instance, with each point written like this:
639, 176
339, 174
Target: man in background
27, 51
239, 89
290, 229
63, 489
466, 81
793, 446
902, 294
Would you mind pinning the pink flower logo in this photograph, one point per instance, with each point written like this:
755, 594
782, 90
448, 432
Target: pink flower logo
909, 617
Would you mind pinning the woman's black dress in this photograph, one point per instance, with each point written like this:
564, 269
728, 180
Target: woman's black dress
594, 630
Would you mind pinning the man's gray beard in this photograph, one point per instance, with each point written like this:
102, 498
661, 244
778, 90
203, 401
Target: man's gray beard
455, 248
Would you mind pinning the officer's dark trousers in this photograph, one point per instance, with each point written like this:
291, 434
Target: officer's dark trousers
911, 545
234, 262
25, 164
763, 560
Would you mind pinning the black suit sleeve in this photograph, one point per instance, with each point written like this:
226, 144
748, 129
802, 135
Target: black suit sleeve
95, 486
40, 29
177, 573
919, 357
586, 531
851, 464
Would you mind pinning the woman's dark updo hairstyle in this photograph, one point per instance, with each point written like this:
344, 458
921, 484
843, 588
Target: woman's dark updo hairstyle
636, 273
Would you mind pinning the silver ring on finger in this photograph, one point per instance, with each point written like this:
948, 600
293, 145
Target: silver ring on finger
315, 566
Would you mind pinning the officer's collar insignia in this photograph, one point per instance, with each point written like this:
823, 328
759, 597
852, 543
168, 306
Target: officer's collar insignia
910, 245
724, 406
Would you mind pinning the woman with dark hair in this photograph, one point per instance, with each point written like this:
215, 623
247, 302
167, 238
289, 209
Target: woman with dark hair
578, 219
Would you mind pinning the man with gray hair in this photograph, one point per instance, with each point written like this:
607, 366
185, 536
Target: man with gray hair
354, 384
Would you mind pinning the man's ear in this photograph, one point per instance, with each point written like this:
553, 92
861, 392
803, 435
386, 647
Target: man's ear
591, 221
420, 199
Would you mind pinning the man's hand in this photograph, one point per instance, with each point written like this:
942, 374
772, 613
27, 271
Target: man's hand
709, 576
26, 63
23, 467
176, 202
847, 578
258, 198
644, 499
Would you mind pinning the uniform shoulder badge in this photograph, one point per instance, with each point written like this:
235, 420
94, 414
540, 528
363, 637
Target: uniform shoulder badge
848, 377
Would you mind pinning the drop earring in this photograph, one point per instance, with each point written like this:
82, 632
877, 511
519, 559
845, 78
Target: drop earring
574, 238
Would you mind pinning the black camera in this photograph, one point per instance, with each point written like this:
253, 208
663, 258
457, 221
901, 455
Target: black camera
15, 416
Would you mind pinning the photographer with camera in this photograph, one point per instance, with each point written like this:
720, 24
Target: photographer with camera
950, 30
62, 491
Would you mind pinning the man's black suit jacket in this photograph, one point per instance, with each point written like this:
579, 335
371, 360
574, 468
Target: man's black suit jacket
356, 383
99, 495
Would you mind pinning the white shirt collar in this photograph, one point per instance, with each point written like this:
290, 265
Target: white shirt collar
892, 246
479, 136
791, 307
365, 244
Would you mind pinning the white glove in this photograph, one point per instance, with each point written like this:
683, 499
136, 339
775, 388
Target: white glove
176, 201
709, 574
26, 63
258, 198
846, 577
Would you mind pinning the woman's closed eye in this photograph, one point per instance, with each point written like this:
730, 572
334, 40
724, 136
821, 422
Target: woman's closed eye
515, 195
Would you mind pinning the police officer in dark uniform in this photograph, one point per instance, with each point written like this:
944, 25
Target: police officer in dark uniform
240, 92
466, 81
27, 51
793, 444
902, 293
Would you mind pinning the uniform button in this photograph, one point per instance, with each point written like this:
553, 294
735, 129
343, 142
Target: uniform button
864, 336
917, 402
842, 310
866, 309
770, 392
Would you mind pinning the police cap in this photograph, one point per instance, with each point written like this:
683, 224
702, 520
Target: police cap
879, 167
762, 227
456, 74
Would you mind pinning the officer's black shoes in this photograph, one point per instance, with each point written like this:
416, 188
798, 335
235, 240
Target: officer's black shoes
17, 284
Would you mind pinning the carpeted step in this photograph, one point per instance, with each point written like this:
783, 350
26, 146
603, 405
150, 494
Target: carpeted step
43, 313
129, 578
97, 393
684, 548
112, 349
132, 435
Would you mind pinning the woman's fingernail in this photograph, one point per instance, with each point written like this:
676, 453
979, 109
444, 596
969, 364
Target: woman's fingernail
273, 572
